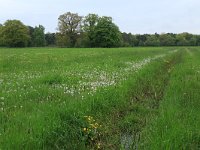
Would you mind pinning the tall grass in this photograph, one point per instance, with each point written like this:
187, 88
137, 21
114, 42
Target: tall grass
83, 98
177, 124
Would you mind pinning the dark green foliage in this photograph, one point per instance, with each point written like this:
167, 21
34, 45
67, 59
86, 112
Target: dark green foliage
62, 40
101, 31
167, 40
31, 30
15, 34
39, 36
197, 40
83, 41
128, 39
90, 22
107, 34
89, 31
186, 39
141, 39
1, 40
98, 31
50, 39
152, 40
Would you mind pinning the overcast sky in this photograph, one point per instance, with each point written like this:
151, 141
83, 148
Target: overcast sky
135, 16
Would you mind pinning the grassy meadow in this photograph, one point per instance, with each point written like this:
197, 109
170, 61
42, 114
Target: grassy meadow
117, 98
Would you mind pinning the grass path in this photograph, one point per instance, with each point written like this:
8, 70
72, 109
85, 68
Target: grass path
146, 94
177, 124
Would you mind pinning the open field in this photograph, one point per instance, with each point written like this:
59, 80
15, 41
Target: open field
128, 98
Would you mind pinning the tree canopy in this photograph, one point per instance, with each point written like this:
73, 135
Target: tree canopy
15, 34
39, 36
69, 24
90, 23
1, 36
96, 31
91, 30
106, 33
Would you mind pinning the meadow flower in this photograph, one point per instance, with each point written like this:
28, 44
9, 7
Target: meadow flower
99, 145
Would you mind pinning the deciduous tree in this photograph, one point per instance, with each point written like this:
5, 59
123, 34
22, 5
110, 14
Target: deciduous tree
50, 39
107, 34
62, 40
152, 40
90, 22
167, 40
15, 34
1, 40
39, 36
69, 24
31, 41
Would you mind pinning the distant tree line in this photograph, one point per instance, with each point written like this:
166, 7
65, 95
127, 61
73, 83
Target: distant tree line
165, 39
88, 31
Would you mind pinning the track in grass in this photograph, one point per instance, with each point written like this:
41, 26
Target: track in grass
177, 124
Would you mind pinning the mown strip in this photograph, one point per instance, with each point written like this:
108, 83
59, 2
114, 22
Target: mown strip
178, 123
144, 98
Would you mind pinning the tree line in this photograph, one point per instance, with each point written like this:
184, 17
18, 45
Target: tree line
13, 33
165, 39
86, 31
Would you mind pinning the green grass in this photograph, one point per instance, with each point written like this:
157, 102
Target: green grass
178, 123
131, 93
